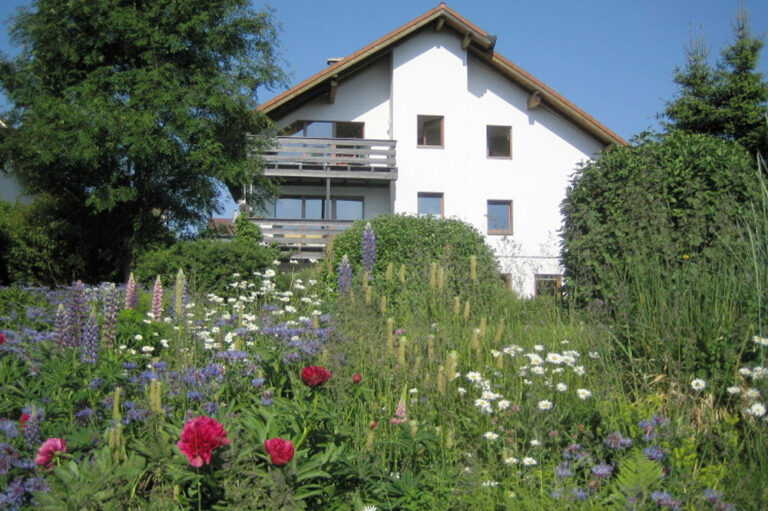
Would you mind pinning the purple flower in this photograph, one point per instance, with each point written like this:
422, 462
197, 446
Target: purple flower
563, 470
616, 441
95, 383
266, 398
194, 395
89, 343
109, 317
258, 382
654, 453
211, 408
579, 494
602, 470
157, 299
84, 414
345, 275
32, 426
131, 293
368, 248
663, 499
8, 428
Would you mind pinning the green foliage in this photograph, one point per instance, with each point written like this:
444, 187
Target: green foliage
417, 241
247, 230
208, 264
729, 101
677, 198
144, 108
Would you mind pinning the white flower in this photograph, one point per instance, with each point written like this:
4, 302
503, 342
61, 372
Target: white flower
537, 370
545, 405
762, 341
594, 354
535, 443
462, 391
413, 391
511, 460
269, 273
474, 376
490, 484
554, 358
147, 349
698, 384
583, 393
579, 370
733, 390
756, 410
490, 435
483, 405
745, 372
751, 394
503, 404
538, 347
529, 462
561, 387
137, 337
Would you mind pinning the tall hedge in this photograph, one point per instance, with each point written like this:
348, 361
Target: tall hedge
672, 198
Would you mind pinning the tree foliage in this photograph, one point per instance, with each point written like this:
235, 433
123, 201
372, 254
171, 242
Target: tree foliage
728, 101
131, 112
669, 198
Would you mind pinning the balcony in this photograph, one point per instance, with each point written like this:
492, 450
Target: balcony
303, 238
335, 158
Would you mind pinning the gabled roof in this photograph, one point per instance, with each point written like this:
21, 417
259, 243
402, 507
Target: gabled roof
477, 41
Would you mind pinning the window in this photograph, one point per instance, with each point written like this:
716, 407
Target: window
499, 217
313, 208
431, 204
499, 140
430, 130
547, 285
326, 129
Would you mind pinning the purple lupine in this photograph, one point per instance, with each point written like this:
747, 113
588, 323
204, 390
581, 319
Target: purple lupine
369, 248
32, 426
157, 299
89, 344
131, 293
60, 328
345, 275
75, 316
110, 314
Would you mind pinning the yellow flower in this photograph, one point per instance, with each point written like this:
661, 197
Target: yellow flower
686, 257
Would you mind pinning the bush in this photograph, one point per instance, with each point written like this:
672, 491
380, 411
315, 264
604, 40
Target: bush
208, 264
417, 241
676, 198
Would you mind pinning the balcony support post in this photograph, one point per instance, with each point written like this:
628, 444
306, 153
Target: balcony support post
327, 198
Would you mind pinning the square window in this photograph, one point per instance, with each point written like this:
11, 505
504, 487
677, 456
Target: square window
499, 141
431, 204
430, 130
499, 217
547, 285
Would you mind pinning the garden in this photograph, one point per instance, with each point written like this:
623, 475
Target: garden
383, 377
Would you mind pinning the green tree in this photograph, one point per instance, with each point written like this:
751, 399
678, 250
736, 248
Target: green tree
130, 113
729, 101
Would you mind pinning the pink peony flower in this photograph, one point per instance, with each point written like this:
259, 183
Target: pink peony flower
50, 449
314, 376
199, 438
280, 450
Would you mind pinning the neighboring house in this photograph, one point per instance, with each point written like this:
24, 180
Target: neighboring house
430, 120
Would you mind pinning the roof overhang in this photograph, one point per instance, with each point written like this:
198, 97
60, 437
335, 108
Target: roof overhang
475, 40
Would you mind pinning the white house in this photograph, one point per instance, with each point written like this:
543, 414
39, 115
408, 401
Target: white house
430, 120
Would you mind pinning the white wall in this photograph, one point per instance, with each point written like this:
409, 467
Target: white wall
434, 76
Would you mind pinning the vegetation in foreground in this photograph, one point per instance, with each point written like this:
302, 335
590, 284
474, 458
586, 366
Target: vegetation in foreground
390, 391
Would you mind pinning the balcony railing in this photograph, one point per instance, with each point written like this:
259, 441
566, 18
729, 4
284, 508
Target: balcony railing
302, 238
356, 158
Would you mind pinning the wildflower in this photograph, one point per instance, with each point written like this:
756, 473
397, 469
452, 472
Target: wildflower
474, 376
461, 391
157, 299
751, 394
483, 405
563, 470
583, 393
756, 410
698, 384
616, 441
489, 484
545, 405
280, 450
368, 248
490, 435
733, 390
602, 470
554, 358
2, 338
345, 275
89, 342
654, 453
50, 450
315, 376
511, 461
762, 341
266, 398
356, 378
369, 508
561, 387
745, 372
199, 438
503, 404
529, 462
8, 428
535, 443
131, 293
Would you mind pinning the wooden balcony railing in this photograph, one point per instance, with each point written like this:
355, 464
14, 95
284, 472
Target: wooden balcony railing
302, 238
359, 158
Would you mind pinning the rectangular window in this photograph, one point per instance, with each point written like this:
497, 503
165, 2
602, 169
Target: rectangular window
431, 204
499, 217
430, 130
499, 141
313, 208
325, 129
547, 285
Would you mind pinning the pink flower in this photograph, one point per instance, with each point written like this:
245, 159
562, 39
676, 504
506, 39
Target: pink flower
23, 421
2, 338
199, 438
314, 376
50, 449
357, 378
280, 450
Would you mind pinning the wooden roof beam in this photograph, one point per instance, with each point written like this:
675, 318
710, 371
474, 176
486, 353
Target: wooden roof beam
333, 89
534, 100
467, 39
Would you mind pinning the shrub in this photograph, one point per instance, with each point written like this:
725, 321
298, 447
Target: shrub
208, 264
418, 241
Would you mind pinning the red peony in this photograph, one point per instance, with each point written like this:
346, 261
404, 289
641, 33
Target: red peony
314, 376
49, 450
199, 438
23, 420
280, 451
356, 378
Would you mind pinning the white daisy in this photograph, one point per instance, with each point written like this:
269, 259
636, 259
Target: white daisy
490, 435
545, 405
529, 462
583, 393
698, 384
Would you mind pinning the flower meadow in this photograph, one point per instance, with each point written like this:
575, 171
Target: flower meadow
349, 389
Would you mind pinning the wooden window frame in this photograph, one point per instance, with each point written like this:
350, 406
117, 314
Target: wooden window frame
488, 130
509, 205
432, 195
548, 277
420, 138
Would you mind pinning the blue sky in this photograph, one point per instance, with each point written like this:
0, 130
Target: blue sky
615, 59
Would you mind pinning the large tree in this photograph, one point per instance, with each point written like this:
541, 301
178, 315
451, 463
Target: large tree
127, 114
728, 101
